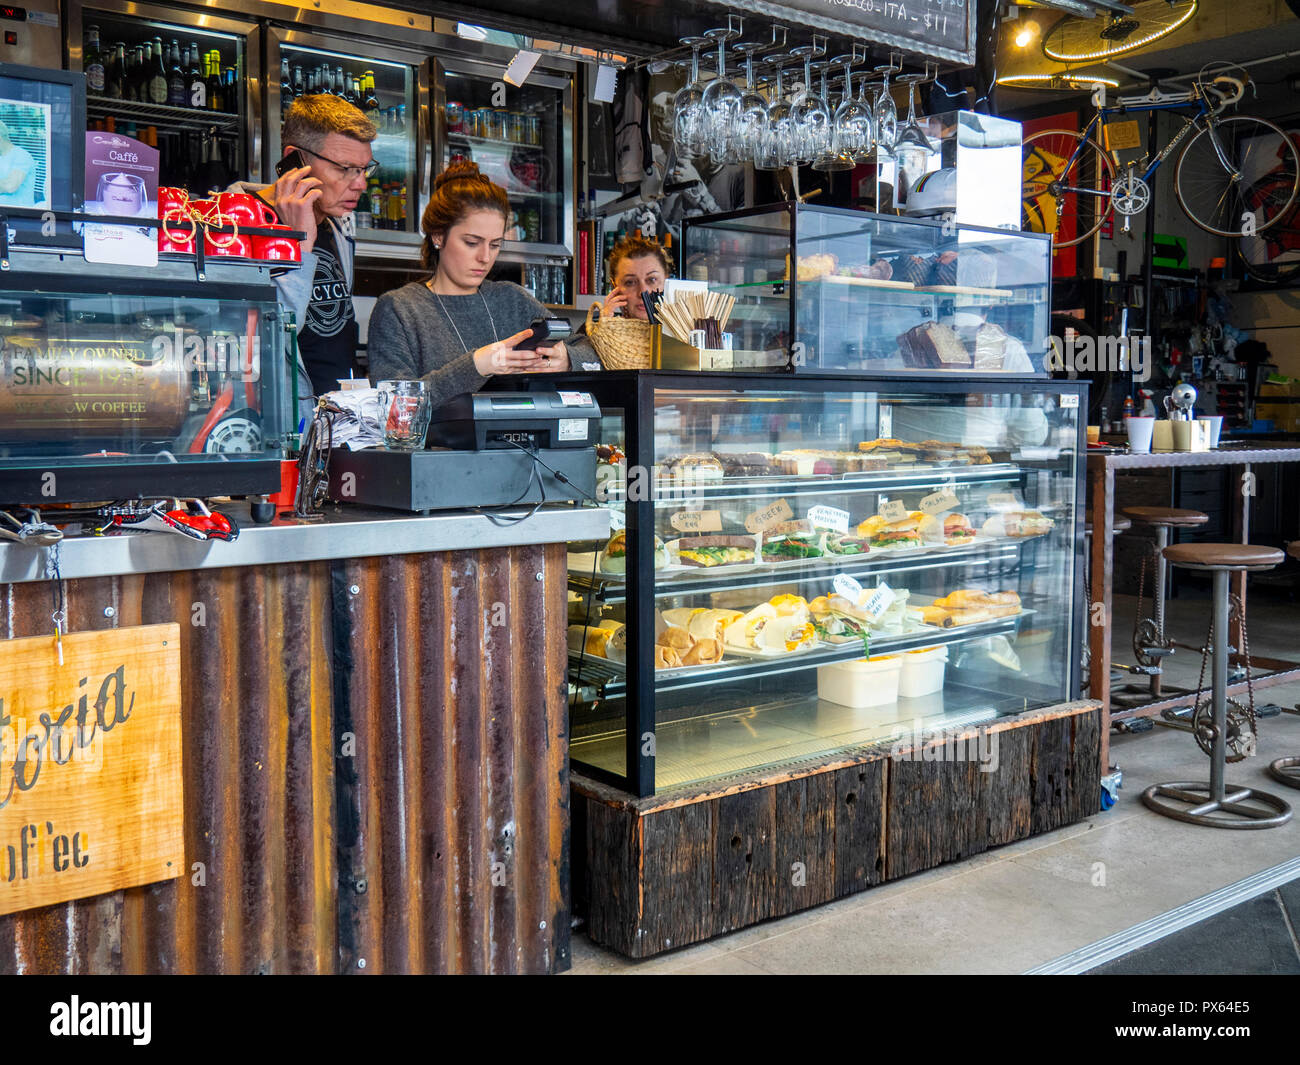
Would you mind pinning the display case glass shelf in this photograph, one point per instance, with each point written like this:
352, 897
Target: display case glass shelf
808, 565
845, 291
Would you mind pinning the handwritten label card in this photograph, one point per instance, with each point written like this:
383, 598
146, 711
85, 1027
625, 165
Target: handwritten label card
847, 587
697, 521
880, 601
893, 510
772, 514
938, 502
829, 518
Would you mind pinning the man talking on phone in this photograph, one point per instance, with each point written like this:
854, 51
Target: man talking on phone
326, 163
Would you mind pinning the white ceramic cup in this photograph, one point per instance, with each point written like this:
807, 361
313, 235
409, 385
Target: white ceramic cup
1139, 433
1184, 435
1215, 422
1162, 435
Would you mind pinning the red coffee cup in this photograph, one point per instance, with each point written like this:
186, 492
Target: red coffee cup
176, 233
245, 209
277, 249
170, 200
234, 244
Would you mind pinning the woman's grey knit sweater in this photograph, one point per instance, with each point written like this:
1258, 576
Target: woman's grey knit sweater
415, 333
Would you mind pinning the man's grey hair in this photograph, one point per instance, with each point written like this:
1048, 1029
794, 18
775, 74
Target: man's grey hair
313, 118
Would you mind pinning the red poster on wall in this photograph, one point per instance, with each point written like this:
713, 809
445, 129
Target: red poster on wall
1047, 157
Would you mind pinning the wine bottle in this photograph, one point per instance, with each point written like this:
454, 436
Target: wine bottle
158, 82
198, 90
212, 80
113, 73
134, 81
93, 62
177, 83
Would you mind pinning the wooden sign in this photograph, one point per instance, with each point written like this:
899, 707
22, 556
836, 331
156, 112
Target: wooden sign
772, 514
90, 764
696, 521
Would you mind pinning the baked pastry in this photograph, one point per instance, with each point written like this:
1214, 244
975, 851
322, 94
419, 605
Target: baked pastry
747, 464
914, 269
943, 270
666, 657
1018, 523
677, 638
811, 267
933, 345
709, 624
703, 652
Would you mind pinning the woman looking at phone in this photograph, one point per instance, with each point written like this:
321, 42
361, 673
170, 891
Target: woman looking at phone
456, 329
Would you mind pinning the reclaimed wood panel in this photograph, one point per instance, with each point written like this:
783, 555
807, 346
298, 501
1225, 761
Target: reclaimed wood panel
805, 842
933, 811
1049, 776
859, 810
744, 860
1006, 802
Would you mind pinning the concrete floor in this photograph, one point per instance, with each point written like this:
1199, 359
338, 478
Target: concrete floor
1020, 906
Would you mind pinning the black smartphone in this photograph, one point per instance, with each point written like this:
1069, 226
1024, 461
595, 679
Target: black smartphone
546, 331
292, 161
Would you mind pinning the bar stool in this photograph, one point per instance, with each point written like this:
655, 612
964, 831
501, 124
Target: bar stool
1120, 525
1149, 642
1287, 770
1198, 802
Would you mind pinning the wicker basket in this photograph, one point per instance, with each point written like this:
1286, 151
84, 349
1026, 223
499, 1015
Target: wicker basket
621, 343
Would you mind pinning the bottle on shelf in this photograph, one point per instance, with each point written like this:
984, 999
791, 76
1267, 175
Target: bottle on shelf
354, 93
286, 87
362, 215
92, 62
369, 98
158, 81
230, 90
197, 90
299, 87
401, 120
377, 204
134, 88
115, 73
212, 81
177, 83
340, 81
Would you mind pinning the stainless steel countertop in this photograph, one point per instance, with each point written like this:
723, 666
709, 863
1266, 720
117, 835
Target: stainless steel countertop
346, 532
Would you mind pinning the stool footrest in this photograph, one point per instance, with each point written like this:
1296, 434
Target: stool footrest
1202, 806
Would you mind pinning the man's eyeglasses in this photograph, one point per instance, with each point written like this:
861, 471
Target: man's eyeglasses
349, 172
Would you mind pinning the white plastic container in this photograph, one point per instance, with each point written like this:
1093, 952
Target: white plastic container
861, 683
922, 672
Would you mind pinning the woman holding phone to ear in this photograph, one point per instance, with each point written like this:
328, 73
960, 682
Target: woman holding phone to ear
636, 266
456, 329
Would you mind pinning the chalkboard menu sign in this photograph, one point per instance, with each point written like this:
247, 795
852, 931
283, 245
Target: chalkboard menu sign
940, 29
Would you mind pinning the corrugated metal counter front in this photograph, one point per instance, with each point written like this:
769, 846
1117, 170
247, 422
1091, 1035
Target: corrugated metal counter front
374, 740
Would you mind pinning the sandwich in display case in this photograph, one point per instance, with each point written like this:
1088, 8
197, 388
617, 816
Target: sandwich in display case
806, 565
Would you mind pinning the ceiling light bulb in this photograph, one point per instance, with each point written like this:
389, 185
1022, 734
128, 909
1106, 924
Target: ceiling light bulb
1023, 37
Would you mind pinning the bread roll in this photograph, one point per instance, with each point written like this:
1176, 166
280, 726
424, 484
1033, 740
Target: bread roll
936, 615
677, 638
666, 657
872, 525
703, 653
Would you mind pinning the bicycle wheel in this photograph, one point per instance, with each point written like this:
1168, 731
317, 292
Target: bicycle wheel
1065, 186
1218, 198
1272, 257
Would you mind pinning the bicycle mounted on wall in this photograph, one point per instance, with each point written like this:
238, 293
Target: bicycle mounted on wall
1235, 177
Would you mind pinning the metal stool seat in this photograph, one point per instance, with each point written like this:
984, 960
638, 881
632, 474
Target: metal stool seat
1215, 804
1287, 770
1120, 525
1150, 644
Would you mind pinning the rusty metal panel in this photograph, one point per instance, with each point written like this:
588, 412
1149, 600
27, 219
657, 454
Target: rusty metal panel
377, 775
453, 845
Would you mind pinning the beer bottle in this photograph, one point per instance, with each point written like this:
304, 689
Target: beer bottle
340, 86
286, 87
369, 98
93, 62
158, 82
298, 89
230, 90
135, 67
177, 83
114, 73
353, 95
198, 91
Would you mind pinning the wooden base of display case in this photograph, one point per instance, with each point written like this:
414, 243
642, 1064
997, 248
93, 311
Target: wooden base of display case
655, 874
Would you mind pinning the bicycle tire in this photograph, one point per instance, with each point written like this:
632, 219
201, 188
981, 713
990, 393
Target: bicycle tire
1232, 206
1033, 209
1285, 237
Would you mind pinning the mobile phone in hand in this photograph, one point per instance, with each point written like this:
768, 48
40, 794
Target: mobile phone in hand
546, 331
292, 161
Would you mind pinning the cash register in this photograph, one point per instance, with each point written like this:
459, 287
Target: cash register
485, 449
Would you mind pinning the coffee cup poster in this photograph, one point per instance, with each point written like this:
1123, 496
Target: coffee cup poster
122, 181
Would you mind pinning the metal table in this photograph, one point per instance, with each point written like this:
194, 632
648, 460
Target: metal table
1102, 467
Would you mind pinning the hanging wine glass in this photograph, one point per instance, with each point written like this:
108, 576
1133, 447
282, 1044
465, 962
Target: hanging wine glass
912, 149
886, 111
688, 107
866, 108
849, 131
752, 121
809, 115
775, 141
721, 103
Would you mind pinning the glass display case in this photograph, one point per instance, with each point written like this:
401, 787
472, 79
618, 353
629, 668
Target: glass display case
141, 384
809, 564
522, 138
848, 292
